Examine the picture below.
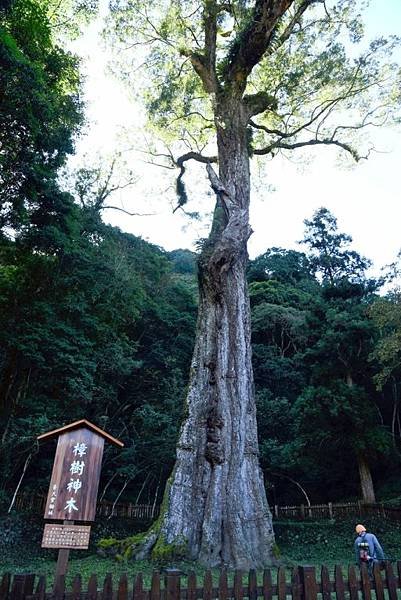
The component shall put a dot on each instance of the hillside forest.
(99, 324)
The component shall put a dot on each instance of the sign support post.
(62, 558)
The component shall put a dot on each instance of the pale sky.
(365, 200)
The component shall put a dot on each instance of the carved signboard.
(73, 487)
(66, 536)
(75, 477)
(76, 471)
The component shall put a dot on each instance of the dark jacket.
(375, 550)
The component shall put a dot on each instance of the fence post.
(296, 588)
(92, 587)
(377, 578)
(138, 593)
(276, 511)
(302, 510)
(155, 587)
(267, 588)
(172, 583)
(5, 586)
(237, 590)
(207, 586)
(107, 593)
(325, 582)
(77, 587)
(365, 583)
(308, 582)
(281, 584)
(252, 585)
(330, 510)
(339, 581)
(22, 586)
(391, 582)
(191, 586)
(352, 583)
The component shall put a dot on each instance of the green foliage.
(329, 254)
(386, 314)
(318, 332)
(40, 112)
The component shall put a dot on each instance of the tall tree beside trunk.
(365, 474)
(215, 66)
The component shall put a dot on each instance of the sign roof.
(77, 425)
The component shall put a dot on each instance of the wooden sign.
(66, 536)
(76, 471)
(73, 487)
(75, 477)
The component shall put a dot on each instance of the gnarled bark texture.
(215, 505)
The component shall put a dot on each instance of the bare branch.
(190, 114)
(127, 212)
(326, 142)
(282, 134)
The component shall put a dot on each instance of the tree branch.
(131, 214)
(204, 63)
(252, 43)
(201, 68)
(180, 162)
(194, 156)
(291, 25)
(327, 142)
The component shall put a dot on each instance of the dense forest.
(96, 323)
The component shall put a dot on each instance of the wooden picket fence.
(299, 583)
(336, 511)
(148, 512)
(104, 508)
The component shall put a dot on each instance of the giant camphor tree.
(237, 79)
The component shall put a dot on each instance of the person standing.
(367, 548)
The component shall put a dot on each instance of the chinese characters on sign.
(76, 468)
(66, 536)
(75, 478)
(52, 500)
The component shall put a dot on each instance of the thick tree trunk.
(365, 475)
(215, 507)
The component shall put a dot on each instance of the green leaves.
(39, 112)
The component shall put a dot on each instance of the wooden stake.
(62, 559)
